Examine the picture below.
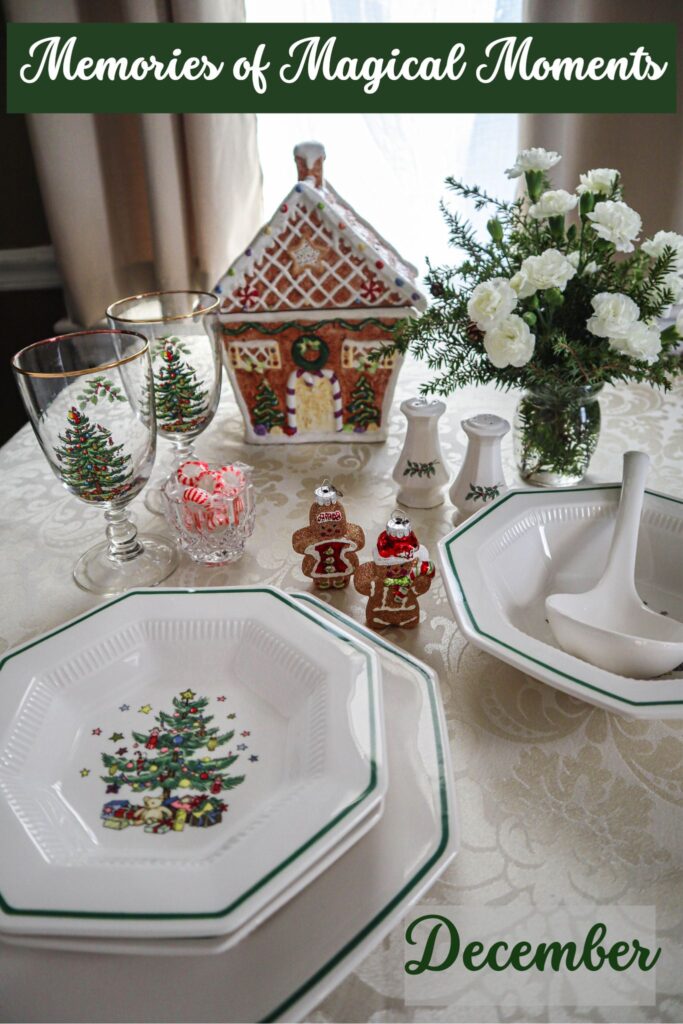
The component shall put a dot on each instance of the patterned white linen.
(558, 799)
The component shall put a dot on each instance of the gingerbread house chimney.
(309, 157)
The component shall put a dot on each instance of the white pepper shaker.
(421, 471)
(481, 477)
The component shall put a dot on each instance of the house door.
(314, 404)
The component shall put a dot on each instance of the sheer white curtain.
(392, 167)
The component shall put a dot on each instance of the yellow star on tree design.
(85, 772)
(146, 708)
(188, 694)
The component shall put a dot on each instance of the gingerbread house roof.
(316, 252)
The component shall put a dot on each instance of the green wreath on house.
(310, 352)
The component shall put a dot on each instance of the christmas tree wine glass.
(184, 335)
(88, 396)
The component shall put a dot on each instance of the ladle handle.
(619, 574)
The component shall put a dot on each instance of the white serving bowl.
(500, 566)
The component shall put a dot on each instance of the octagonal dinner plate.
(174, 760)
(500, 566)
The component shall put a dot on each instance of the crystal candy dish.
(500, 566)
(211, 526)
(172, 761)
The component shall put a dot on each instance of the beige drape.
(646, 148)
(139, 202)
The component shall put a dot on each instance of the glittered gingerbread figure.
(399, 572)
(329, 543)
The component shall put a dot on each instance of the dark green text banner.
(341, 68)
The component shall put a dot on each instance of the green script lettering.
(424, 963)
(642, 956)
(596, 933)
(471, 950)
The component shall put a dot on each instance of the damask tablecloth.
(558, 800)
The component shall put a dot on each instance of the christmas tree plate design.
(174, 760)
(282, 970)
(501, 564)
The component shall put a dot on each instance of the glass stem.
(184, 450)
(122, 535)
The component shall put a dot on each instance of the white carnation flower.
(674, 282)
(520, 283)
(600, 180)
(573, 258)
(616, 222)
(509, 342)
(551, 269)
(553, 203)
(491, 301)
(641, 342)
(614, 314)
(534, 159)
(654, 247)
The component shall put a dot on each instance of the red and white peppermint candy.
(189, 472)
(210, 481)
(232, 478)
(196, 496)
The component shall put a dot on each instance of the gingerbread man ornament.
(399, 572)
(329, 543)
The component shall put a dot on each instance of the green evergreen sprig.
(567, 357)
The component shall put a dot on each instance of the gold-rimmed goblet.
(184, 335)
(89, 399)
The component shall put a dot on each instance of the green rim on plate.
(516, 650)
(371, 785)
(442, 843)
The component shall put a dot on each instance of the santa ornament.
(399, 572)
(329, 543)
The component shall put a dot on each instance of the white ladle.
(609, 626)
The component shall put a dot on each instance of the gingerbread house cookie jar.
(316, 292)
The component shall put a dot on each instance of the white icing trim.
(334, 210)
(310, 151)
(422, 555)
(352, 313)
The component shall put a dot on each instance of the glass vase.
(555, 434)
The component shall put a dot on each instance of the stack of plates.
(238, 772)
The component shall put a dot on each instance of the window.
(354, 355)
(391, 167)
(254, 355)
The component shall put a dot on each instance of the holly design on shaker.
(171, 758)
(180, 400)
(484, 494)
(91, 464)
(421, 469)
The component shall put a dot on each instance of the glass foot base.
(97, 573)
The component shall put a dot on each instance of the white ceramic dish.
(500, 566)
(283, 969)
(184, 947)
(304, 711)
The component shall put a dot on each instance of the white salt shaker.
(421, 471)
(481, 478)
